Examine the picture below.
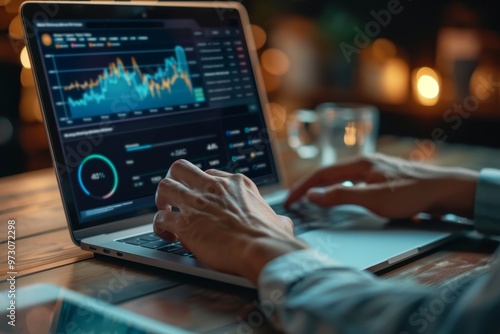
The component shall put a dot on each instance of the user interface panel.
(131, 95)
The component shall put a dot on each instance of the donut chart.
(97, 176)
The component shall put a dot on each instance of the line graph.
(124, 85)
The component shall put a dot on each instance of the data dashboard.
(130, 97)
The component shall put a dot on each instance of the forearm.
(312, 295)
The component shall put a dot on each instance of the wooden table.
(45, 253)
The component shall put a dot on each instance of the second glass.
(334, 131)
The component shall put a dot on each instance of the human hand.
(393, 187)
(222, 220)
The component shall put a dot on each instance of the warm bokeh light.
(259, 36)
(27, 79)
(385, 77)
(25, 59)
(271, 82)
(483, 83)
(383, 49)
(395, 81)
(350, 134)
(426, 86)
(12, 6)
(16, 28)
(275, 62)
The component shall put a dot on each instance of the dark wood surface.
(45, 253)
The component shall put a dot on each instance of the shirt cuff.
(292, 266)
(280, 276)
(487, 204)
(282, 273)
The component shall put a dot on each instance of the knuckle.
(200, 202)
(238, 177)
(243, 179)
(289, 223)
(163, 184)
(248, 182)
(177, 164)
(216, 186)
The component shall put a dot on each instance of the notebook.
(128, 88)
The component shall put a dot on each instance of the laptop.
(128, 88)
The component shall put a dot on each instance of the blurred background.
(425, 64)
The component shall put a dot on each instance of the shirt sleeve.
(306, 292)
(487, 203)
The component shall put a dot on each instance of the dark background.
(326, 24)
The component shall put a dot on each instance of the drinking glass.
(334, 131)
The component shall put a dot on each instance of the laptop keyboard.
(152, 241)
(307, 216)
(304, 216)
(300, 215)
(301, 212)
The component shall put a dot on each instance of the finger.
(161, 229)
(164, 206)
(172, 193)
(170, 223)
(216, 172)
(186, 173)
(287, 224)
(185, 247)
(396, 201)
(353, 170)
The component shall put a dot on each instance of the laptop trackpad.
(365, 248)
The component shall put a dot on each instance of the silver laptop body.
(126, 89)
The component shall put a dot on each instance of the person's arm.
(391, 187)
(397, 188)
(318, 295)
(224, 221)
(304, 292)
(487, 202)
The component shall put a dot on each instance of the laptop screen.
(130, 89)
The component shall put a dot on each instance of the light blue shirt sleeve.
(307, 292)
(487, 204)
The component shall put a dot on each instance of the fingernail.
(158, 224)
(316, 192)
(159, 217)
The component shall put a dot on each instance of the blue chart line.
(137, 147)
(118, 90)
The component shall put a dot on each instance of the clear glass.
(334, 131)
(303, 133)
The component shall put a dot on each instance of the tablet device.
(44, 308)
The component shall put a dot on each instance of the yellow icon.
(46, 40)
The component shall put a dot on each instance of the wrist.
(459, 191)
(257, 252)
